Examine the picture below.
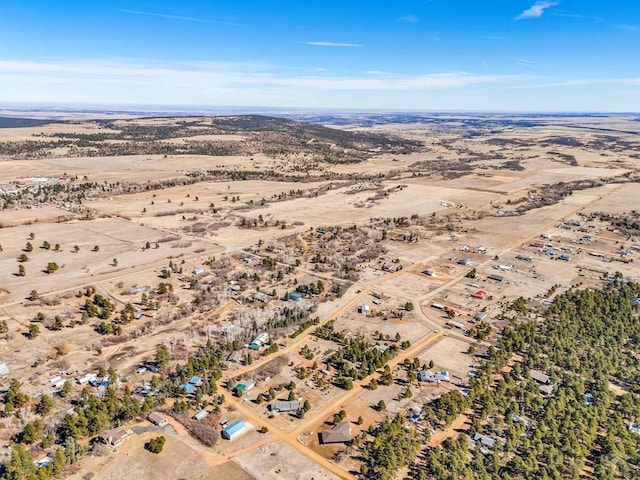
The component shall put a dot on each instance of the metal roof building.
(245, 385)
(201, 414)
(284, 406)
(295, 296)
(235, 429)
(484, 440)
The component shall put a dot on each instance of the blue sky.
(517, 55)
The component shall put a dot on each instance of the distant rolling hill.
(16, 122)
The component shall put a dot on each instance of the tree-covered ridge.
(586, 341)
(261, 134)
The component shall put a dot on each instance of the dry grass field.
(344, 216)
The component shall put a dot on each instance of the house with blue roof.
(187, 388)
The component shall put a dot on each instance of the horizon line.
(70, 107)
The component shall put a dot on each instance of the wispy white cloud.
(177, 17)
(188, 81)
(526, 63)
(536, 10)
(576, 15)
(579, 82)
(127, 81)
(407, 19)
(334, 44)
(630, 81)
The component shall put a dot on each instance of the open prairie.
(359, 251)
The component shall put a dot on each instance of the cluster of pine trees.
(586, 341)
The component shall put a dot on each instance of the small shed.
(235, 429)
(4, 370)
(480, 316)
(495, 278)
(43, 462)
(195, 380)
(364, 308)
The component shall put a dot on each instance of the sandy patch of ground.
(450, 354)
(278, 461)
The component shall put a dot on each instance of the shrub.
(155, 445)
